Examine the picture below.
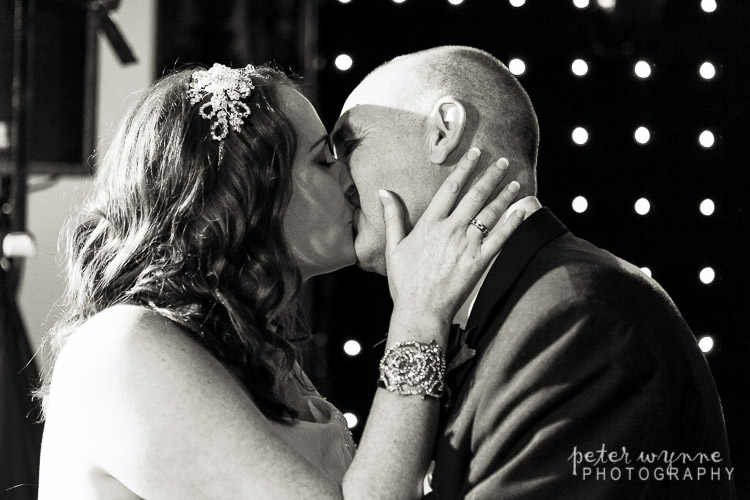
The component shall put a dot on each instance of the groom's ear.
(445, 128)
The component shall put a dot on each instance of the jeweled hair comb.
(227, 87)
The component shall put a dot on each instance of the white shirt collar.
(529, 204)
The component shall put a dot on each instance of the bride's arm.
(159, 414)
(430, 274)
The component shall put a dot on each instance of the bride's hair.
(199, 241)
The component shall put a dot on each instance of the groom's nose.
(347, 183)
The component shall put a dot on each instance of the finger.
(493, 212)
(446, 196)
(393, 219)
(477, 196)
(499, 236)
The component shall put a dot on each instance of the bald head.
(407, 124)
(500, 118)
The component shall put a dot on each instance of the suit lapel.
(539, 229)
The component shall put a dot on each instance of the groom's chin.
(369, 257)
(372, 268)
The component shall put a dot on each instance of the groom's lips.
(355, 219)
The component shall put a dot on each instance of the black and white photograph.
(374, 249)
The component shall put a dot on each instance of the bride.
(176, 370)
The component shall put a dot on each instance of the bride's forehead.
(299, 110)
(293, 102)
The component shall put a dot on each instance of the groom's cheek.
(369, 246)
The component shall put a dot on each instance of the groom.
(573, 376)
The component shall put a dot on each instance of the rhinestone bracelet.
(413, 369)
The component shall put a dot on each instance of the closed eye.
(345, 139)
(348, 147)
(327, 156)
(325, 160)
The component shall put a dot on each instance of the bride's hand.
(432, 270)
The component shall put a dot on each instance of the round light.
(580, 204)
(707, 70)
(607, 4)
(4, 135)
(455, 2)
(517, 67)
(646, 271)
(708, 5)
(642, 206)
(399, 1)
(706, 343)
(642, 69)
(352, 347)
(351, 420)
(344, 1)
(581, 4)
(707, 275)
(580, 136)
(517, 3)
(579, 67)
(642, 135)
(707, 207)
(343, 62)
(706, 139)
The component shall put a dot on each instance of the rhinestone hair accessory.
(225, 109)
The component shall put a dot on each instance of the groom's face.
(384, 148)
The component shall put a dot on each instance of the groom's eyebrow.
(345, 135)
(340, 134)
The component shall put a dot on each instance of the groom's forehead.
(383, 87)
(357, 119)
(366, 121)
(345, 124)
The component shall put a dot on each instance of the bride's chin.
(331, 265)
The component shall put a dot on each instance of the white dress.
(325, 442)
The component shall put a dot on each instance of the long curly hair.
(169, 227)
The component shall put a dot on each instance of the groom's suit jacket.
(577, 350)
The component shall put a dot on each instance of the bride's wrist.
(418, 326)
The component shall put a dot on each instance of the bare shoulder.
(122, 326)
(159, 413)
(125, 337)
(128, 354)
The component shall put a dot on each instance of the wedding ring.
(480, 226)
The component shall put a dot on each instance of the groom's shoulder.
(570, 268)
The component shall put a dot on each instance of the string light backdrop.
(644, 147)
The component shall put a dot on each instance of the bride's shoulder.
(127, 344)
(125, 318)
(120, 327)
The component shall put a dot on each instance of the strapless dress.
(326, 442)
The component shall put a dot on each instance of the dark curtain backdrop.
(673, 172)
(20, 435)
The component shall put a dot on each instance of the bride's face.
(318, 220)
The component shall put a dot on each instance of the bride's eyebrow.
(322, 139)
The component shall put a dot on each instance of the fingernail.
(502, 163)
(383, 194)
(514, 187)
(473, 154)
